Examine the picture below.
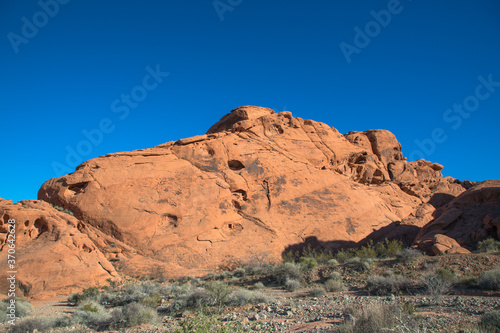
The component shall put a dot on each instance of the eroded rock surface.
(52, 256)
(470, 217)
(256, 183)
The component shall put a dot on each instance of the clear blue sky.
(69, 69)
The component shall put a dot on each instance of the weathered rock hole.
(27, 223)
(211, 152)
(78, 187)
(276, 128)
(236, 205)
(242, 193)
(235, 165)
(41, 225)
(173, 219)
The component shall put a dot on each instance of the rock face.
(51, 254)
(256, 183)
(471, 217)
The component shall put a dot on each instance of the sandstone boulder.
(52, 255)
(470, 217)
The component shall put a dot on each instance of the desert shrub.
(287, 271)
(203, 323)
(93, 315)
(389, 248)
(490, 321)
(239, 272)
(198, 297)
(332, 262)
(30, 324)
(334, 285)
(490, 280)
(219, 290)
(258, 285)
(378, 318)
(243, 296)
(292, 285)
(373, 318)
(488, 245)
(343, 255)
(133, 314)
(367, 251)
(381, 285)
(308, 264)
(22, 309)
(438, 283)
(408, 254)
(335, 276)
(316, 292)
(360, 264)
(88, 293)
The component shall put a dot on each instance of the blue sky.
(428, 71)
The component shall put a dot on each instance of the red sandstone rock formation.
(470, 217)
(257, 182)
(52, 256)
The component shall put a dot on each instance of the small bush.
(438, 283)
(490, 280)
(488, 245)
(219, 290)
(334, 285)
(316, 292)
(29, 324)
(408, 254)
(308, 264)
(243, 296)
(239, 272)
(490, 321)
(361, 264)
(134, 314)
(335, 276)
(287, 271)
(88, 293)
(258, 285)
(380, 285)
(93, 315)
(292, 285)
(23, 309)
(332, 262)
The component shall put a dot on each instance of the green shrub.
(490, 321)
(219, 290)
(381, 285)
(133, 314)
(316, 292)
(308, 264)
(88, 293)
(93, 315)
(332, 262)
(243, 296)
(335, 276)
(334, 285)
(438, 283)
(408, 254)
(490, 280)
(287, 271)
(22, 309)
(488, 245)
(292, 285)
(29, 324)
(258, 285)
(361, 264)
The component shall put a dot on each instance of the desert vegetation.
(378, 287)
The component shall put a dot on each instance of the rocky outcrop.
(256, 183)
(51, 254)
(470, 217)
